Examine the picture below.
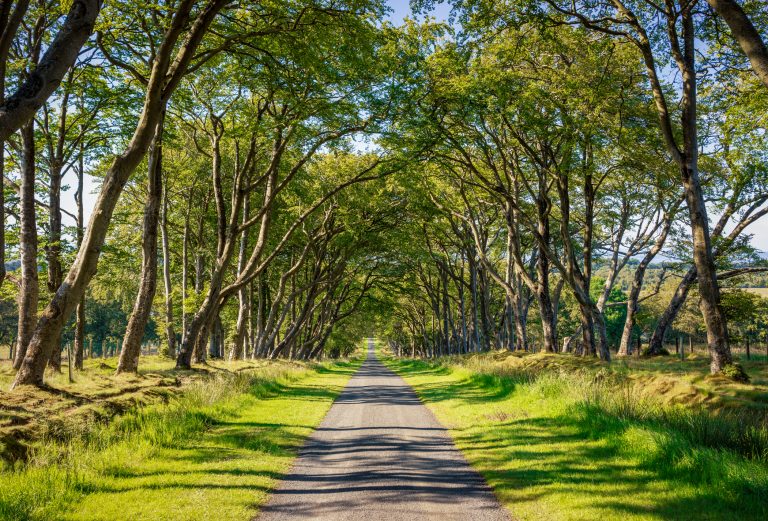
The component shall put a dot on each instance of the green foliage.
(747, 313)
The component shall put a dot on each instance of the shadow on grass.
(577, 460)
(238, 452)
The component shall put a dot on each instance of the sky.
(400, 10)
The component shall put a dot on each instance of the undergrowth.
(602, 393)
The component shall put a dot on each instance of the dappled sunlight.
(549, 458)
(227, 445)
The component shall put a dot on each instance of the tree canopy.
(277, 179)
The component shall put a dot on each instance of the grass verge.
(96, 395)
(212, 452)
(580, 444)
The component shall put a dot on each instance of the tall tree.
(166, 73)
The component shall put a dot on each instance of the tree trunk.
(549, 331)
(198, 355)
(169, 331)
(249, 330)
(477, 339)
(242, 311)
(745, 34)
(185, 266)
(625, 345)
(521, 329)
(53, 250)
(547, 323)
(210, 306)
(656, 344)
(80, 334)
(598, 319)
(587, 330)
(703, 258)
(165, 76)
(9, 25)
(142, 306)
(198, 327)
(80, 313)
(29, 289)
(216, 346)
(20, 108)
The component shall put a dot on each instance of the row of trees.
(291, 172)
(562, 142)
(241, 169)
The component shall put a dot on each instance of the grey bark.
(80, 312)
(19, 108)
(29, 289)
(241, 327)
(169, 330)
(745, 33)
(142, 306)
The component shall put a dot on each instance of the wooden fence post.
(69, 362)
(748, 357)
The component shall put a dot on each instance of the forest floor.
(563, 438)
(214, 451)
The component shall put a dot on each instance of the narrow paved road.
(380, 454)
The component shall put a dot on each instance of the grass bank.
(213, 451)
(581, 443)
(95, 395)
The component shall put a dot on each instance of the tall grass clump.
(727, 449)
(64, 467)
(741, 431)
(615, 399)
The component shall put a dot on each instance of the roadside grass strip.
(213, 453)
(566, 446)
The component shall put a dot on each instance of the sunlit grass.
(212, 453)
(98, 375)
(577, 444)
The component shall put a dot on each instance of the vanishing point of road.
(380, 454)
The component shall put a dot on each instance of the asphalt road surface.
(380, 454)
